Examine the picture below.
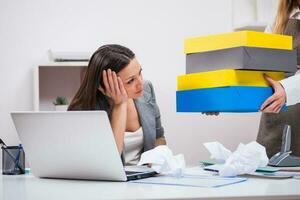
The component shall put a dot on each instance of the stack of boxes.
(224, 73)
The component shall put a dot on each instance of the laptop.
(72, 145)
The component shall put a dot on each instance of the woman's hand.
(274, 103)
(114, 87)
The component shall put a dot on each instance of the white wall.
(154, 29)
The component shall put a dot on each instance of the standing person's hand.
(114, 87)
(274, 103)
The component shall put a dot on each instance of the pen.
(18, 157)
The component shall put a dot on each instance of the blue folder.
(223, 99)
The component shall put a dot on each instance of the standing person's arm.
(115, 90)
(291, 86)
(285, 91)
(274, 103)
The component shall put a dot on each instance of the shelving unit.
(56, 79)
(252, 14)
(254, 26)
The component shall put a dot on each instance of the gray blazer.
(149, 116)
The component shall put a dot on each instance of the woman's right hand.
(114, 87)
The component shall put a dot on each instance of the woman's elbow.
(160, 141)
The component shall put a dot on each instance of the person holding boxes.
(287, 91)
(233, 72)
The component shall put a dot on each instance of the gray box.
(249, 58)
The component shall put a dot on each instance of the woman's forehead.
(132, 69)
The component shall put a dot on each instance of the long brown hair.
(89, 97)
(285, 8)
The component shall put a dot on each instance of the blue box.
(223, 99)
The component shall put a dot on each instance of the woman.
(113, 82)
(287, 22)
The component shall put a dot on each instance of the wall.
(154, 30)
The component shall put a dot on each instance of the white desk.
(21, 187)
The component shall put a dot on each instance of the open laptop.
(72, 145)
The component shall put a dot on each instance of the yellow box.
(225, 77)
(236, 39)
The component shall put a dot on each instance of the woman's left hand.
(274, 103)
(114, 87)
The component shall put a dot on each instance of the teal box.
(223, 99)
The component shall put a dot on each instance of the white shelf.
(64, 64)
(252, 14)
(56, 79)
(254, 26)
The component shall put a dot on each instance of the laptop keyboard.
(134, 175)
(131, 172)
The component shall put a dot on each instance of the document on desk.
(192, 181)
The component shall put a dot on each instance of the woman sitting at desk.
(113, 82)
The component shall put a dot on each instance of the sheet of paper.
(216, 168)
(198, 171)
(192, 181)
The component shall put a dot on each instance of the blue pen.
(18, 158)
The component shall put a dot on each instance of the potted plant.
(61, 103)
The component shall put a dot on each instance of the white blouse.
(292, 84)
(133, 146)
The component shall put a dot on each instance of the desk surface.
(28, 187)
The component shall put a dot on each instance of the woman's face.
(132, 79)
